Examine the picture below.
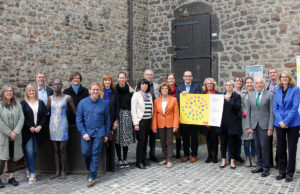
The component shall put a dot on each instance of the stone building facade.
(91, 36)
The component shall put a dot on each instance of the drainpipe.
(130, 31)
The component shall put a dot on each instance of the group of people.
(115, 116)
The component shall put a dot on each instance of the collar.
(188, 84)
(260, 91)
(40, 89)
(90, 100)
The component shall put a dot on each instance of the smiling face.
(76, 80)
(148, 75)
(273, 75)
(122, 79)
(41, 79)
(187, 77)
(171, 80)
(8, 94)
(209, 85)
(238, 82)
(249, 84)
(144, 87)
(31, 93)
(107, 83)
(259, 84)
(229, 86)
(94, 92)
(284, 78)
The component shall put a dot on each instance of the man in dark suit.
(259, 121)
(189, 132)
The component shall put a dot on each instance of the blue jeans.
(31, 148)
(247, 147)
(91, 151)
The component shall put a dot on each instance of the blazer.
(195, 89)
(82, 93)
(263, 115)
(113, 107)
(171, 117)
(5, 132)
(287, 111)
(138, 107)
(29, 122)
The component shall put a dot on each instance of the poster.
(254, 71)
(298, 84)
(201, 109)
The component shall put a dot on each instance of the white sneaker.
(125, 163)
(32, 179)
(121, 164)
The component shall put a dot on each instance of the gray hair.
(259, 78)
(3, 100)
(230, 81)
(40, 72)
(148, 70)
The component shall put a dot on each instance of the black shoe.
(222, 166)
(233, 167)
(13, 181)
(280, 177)
(141, 166)
(288, 179)
(215, 160)
(276, 166)
(146, 163)
(208, 160)
(1, 184)
(178, 155)
(265, 174)
(257, 170)
(239, 159)
(153, 159)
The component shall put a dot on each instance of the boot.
(178, 147)
(253, 161)
(248, 161)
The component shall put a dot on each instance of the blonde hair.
(27, 90)
(213, 82)
(102, 87)
(164, 84)
(292, 81)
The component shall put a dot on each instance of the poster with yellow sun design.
(201, 109)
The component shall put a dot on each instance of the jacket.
(138, 107)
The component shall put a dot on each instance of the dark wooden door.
(191, 41)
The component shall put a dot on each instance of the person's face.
(164, 90)
(8, 93)
(187, 77)
(57, 85)
(284, 78)
(273, 75)
(148, 76)
(229, 87)
(249, 84)
(76, 80)
(238, 83)
(171, 80)
(144, 87)
(107, 83)
(31, 93)
(209, 85)
(259, 84)
(41, 79)
(122, 79)
(94, 92)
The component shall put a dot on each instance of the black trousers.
(11, 165)
(286, 165)
(110, 153)
(190, 139)
(212, 145)
(225, 139)
(142, 137)
(262, 147)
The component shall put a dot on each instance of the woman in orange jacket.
(166, 119)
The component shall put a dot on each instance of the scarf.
(107, 93)
(75, 88)
(146, 96)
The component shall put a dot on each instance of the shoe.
(146, 164)
(90, 182)
(169, 164)
(276, 166)
(32, 179)
(13, 181)
(240, 159)
(253, 161)
(1, 184)
(257, 170)
(288, 179)
(248, 162)
(178, 155)
(265, 174)
(121, 164)
(280, 177)
(185, 159)
(208, 160)
(141, 166)
(223, 166)
(232, 167)
(193, 159)
(163, 162)
(125, 164)
(153, 159)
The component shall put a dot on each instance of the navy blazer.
(195, 89)
(287, 111)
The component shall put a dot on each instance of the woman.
(166, 119)
(107, 92)
(231, 125)
(211, 133)
(171, 80)
(11, 123)
(59, 126)
(238, 84)
(247, 137)
(35, 114)
(124, 133)
(141, 111)
(287, 124)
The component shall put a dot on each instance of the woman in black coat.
(35, 116)
(231, 125)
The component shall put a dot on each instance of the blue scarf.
(75, 88)
(107, 93)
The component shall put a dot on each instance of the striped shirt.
(148, 110)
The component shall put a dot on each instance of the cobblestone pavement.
(185, 178)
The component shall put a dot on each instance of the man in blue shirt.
(93, 122)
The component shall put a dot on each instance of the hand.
(13, 136)
(38, 129)
(86, 137)
(250, 131)
(184, 92)
(105, 139)
(270, 132)
(115, 125)
(227, 97)
(174, 130)
(32, 129)
(154, 130)
(282, 125)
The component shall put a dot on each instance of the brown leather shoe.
(193, 159)
(185, 159)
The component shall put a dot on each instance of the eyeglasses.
(209, 83)
(229, 85)
(284, 77)
(188, 76)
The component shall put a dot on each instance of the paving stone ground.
(183, 178)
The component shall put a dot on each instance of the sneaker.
(13, 181)
(121, 164)
(1, 184)
(32, 178)
(125, 164)
(90, 182)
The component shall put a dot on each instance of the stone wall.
(251, 32)
(62, 36)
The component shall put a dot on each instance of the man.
(93, 122)
(259, 121)
(148, 74)
(189, 132)
(43, 91)
(273, 76)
